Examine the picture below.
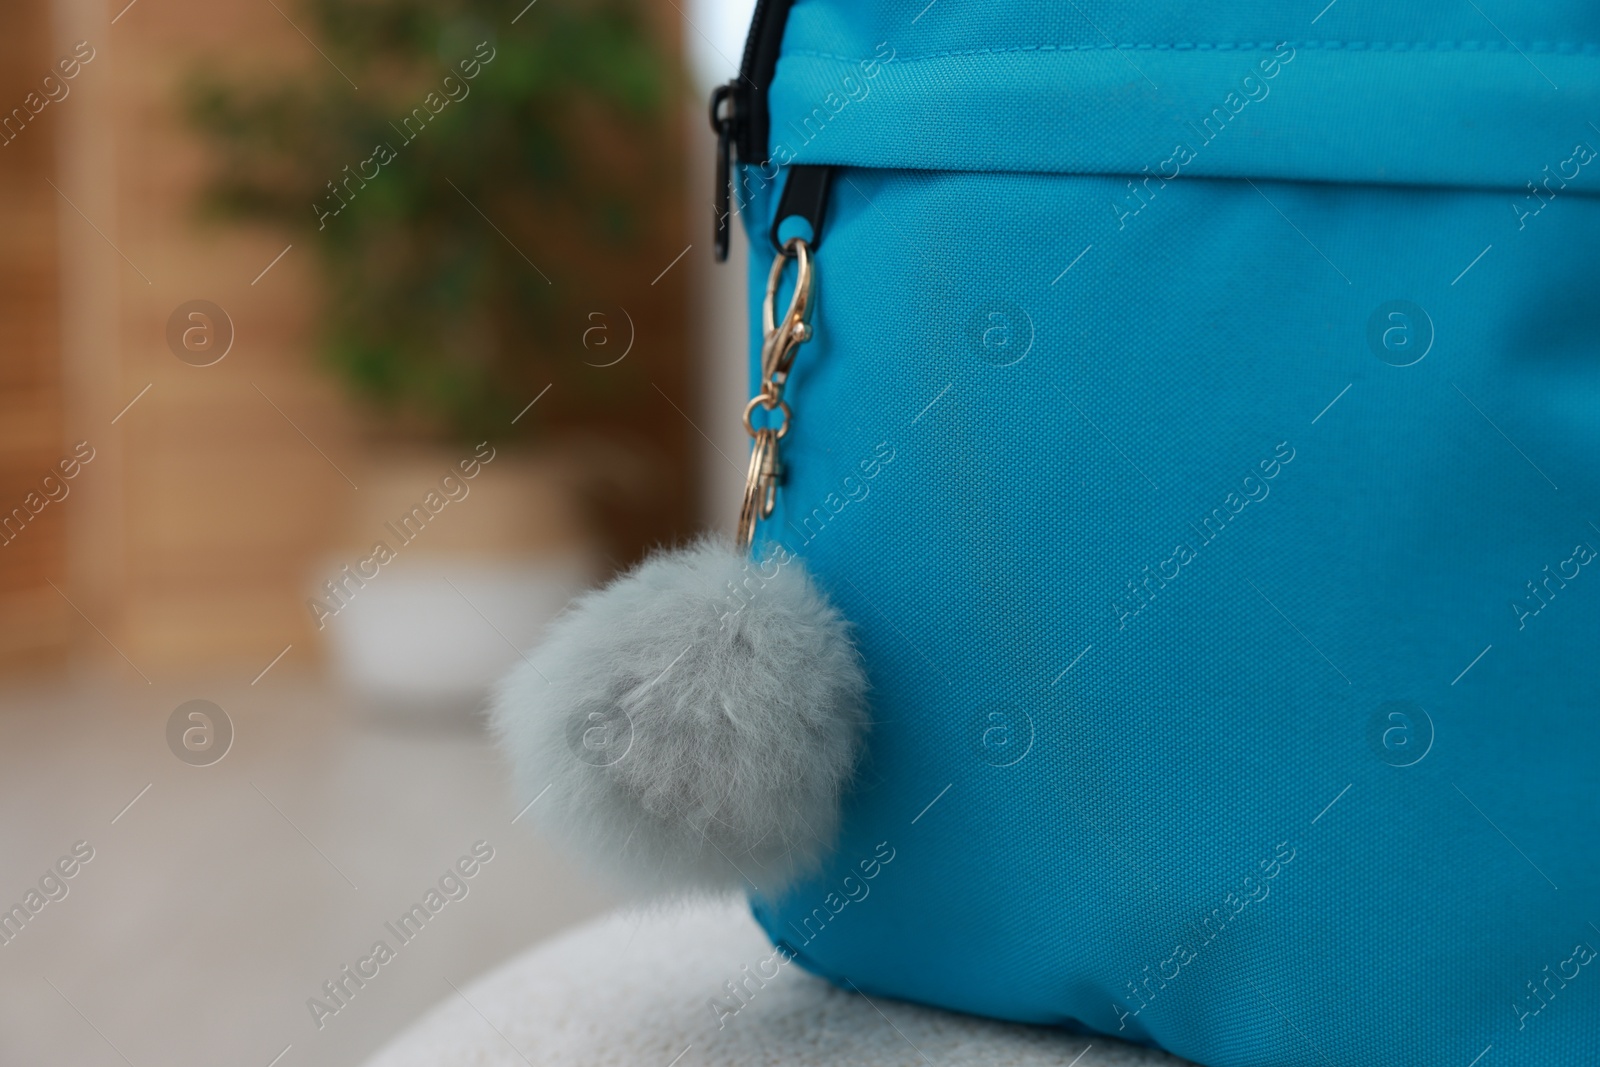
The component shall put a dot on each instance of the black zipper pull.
(725, 123)
(741, 125)
(802, 206)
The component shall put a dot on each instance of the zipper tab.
(726, 123)
(802, 206)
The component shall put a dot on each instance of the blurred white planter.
(438, 630)
(446, 616)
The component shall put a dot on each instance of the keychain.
(778, 349)
(684, 747)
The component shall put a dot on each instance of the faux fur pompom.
(695, 722)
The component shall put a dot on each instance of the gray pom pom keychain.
(694, 723)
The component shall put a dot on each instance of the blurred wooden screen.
(34, 618)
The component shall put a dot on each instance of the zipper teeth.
(757, 24)
(767, 23)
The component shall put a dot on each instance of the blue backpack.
(1200, 426)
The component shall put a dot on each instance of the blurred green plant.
(548, 144)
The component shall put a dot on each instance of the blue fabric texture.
(1201, 431)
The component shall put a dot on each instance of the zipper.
(739, 115)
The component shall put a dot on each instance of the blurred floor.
(225, 896)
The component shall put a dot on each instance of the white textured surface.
(633, 989)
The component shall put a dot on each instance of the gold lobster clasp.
(783, 340)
